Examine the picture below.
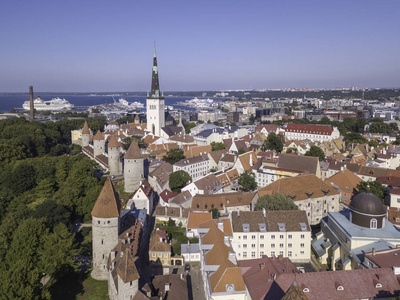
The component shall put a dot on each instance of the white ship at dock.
(53, 104)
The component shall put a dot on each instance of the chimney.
(167, 287)
(32, 110)
(238, 212)
(264, 212)
(373, 251)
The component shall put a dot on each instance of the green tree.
(217, 146)
(275, 202)
(247, 182)
(373, 143)
(173, 156)
(354, 137)
(126, 143)
(374, 187)
(215, 213)
(273, 142)
(290, 150)
(178, 179)
(317, 152)
(189, 126)
(380, 127)
(252, 119)
(241, 150)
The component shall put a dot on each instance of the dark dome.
(367, 203)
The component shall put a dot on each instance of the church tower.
(105, 224)
(85, 135)
(114, 154)
(133, 168)
(155, 103)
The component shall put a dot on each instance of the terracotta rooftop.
(107, 204)
(345, 181)
(165, 195)
(351, 284)
(220, 201)
(159, 246)
(306, 164)
(227, 273)
(113, 143)
(385, 258)
(126, 268)
(291, 218)
(133, 151)
(295, 292)
(99, 136)
(177, 287)
(299, 188)
(85, 129)
(197, 218)
(259, 273)
(309, 128)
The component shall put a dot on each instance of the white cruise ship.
(53, 104)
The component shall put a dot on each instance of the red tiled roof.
(308, 128)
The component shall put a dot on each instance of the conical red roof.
(99, 136)
(85, 129)
(113, 142)
(126, 268)
(107, 204)
(133, 151)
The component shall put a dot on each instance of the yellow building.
(160, 249)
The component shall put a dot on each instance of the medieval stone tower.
(133, 168)
(85, 135)
(155, 103)
(114, 153)
(99, 144)
(105, 225)
(128, 277)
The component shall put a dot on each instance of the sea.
(9, 101)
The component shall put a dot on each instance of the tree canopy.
(247, 182)
(275, 202)
(178, 179)
(173, 156)
(273, 142)
(217, 146)
(317, 152)
(374, 187)
(43, 191)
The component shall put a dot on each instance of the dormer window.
(306, 290)
(340, 288)
(230, 288)
(378, 285)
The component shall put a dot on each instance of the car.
(187, 268)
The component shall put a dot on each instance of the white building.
(315, 133)
(196, 167)
(271, 233)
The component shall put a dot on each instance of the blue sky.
(74, 46)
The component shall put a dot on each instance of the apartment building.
(309, 193)
(196, 167)
(271, 233)
(315, 133)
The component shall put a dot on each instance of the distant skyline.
(101, 46)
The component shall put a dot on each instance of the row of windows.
(253, 254)
(281, 245)
(281, 236)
